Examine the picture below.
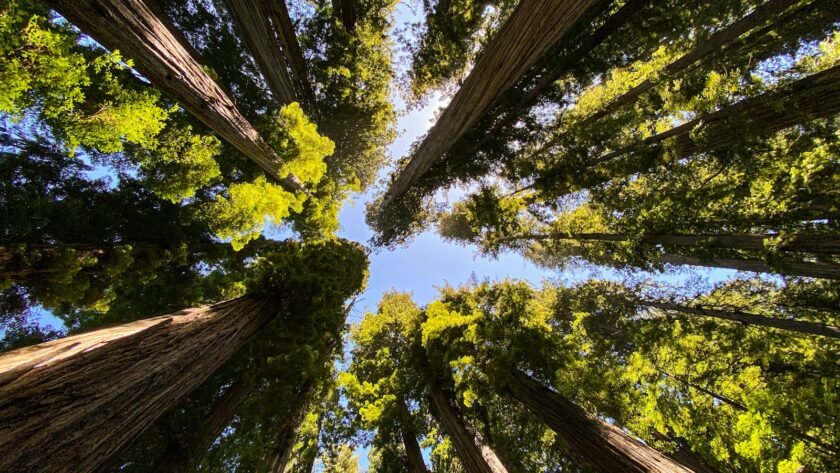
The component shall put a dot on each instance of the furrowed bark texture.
(589, 439)
(414, 455)
(279, 14)
(709, 46)
(251, 19)
(685, 457)
(161, 54)
(288, 433)
(72, 404)
(801, 326)
(181, 455)
(475, 456)
(533, 27)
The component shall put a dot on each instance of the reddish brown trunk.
(72, 404)
(254, 26)
(801, 326)
(182, 456)
(414, 455)
(291, 48)
(475, 456)
(685, 457)
(533, 28)
(288, 432)
(161, 54)
(589, 439)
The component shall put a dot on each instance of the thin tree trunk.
(589, 439)
(252, 21)
(685, 457)
(792, 325)
(816, 96)
(291, 48)
(783, 266)
(72, 404)
(475, 456)
(161, 54)
(414, 456)
(288, 432)
(345, 10)
(715, 43)
(181, 456)
(530, 31)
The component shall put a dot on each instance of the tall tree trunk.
(715, 43)
(801, 326)
(252, 21)
(291, 48)
(72, 404)
(685, 457)
(414, 456)
(782, 266)
(288, 432)
(181, 455)
(345, 10)
(590, 440)
(475, 456)
(162, 55)
(532, 28)
(813, 97)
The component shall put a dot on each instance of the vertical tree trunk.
(414, 455)
(291, 48)
(589, 439)
(532, 28)
(287, 434)
(475, 456)
(251, 19)
(161, 54)
(345, 10)
(801, 326)
(72, 404)
(181, 456)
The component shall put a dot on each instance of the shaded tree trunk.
(414, 455)
(181, 455)
(792, 325)
(532, 28)
(782, 266)
(345, 10)
(162, 55)
(291, 48)
(252, 21)
(589, 439)
(685, 457)
(72, 404)
(288, 432)
(816, 96)
(714, 44)
(475, 456)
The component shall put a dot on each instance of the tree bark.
(475, 456)
(792, 325)
(589, 439)
(414, 455)
(162, 55)
(784, 266)
(279, 14)
(252, 21)
(715, 43)
(288, 432)
(181, 456)
(345, 10)
(533, 28)
(685, 457)
(72, 404)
